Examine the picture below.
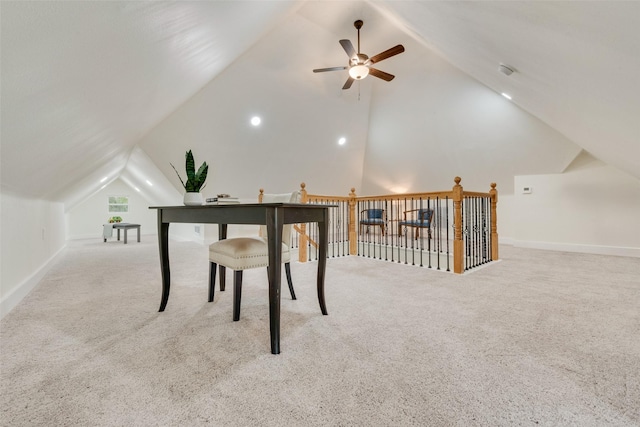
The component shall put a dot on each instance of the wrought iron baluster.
(438, 219)
(485, 226)
(479, 231)
(467, 243)
(447, 228)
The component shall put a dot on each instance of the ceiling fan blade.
(381, 74)
(322, 70)
(348, 47)
(348, 83)
(387, 54)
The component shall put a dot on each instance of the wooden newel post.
(458, 244)
(353, 237)
(493, 194)
(304, 239)
(260, 197)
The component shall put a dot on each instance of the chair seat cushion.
(415, 223)
(241, 253)
(372, 221)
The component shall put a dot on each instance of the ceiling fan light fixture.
(359, 72)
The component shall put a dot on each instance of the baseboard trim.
(10, 301)
(575, 247)
(100, 237)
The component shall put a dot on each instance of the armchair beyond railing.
(450, 230)
(376, 217)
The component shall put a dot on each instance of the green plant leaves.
(195, 180)
(190, 166)
(201, 175)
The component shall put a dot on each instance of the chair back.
(375, 213)
(424, 215)
(294, 197)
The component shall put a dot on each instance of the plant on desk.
(115, 219)
(195, 180)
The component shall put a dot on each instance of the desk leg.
(118, 234)
(222, 234)
(163, 244)
(125, 235)
(323, 241)
(138, 234)
(274, 220)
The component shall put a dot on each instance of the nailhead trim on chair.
(222, 254)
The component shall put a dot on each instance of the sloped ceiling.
(83, 82)
(578, 63)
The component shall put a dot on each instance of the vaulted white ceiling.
(84, 82)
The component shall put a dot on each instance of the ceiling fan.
(360, 65)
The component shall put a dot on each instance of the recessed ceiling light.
(342, 140)
(506, 95)
(103, 179)
(137, 189)
(149, 182)
(255, 120)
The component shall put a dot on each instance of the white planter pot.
(193, 199)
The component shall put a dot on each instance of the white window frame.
(109, 204)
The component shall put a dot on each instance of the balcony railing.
(452, 230)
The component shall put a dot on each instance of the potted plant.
(195, 180)
(115, 219)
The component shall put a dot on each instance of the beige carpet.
(540, 338)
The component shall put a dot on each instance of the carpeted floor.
(540, 338)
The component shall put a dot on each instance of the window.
(118, 204)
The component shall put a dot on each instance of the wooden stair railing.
(456, 195)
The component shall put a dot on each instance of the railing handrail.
(475, 194)
(423, 195)
(319, 197)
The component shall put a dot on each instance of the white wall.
(31, 235)
(505, 214)
(592, 208)
(85, 220)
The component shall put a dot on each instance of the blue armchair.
(416, 218)
(369, 217)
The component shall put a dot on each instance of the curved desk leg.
(274, 220)
(323, 228)
(163, 244)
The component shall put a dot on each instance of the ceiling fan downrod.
(358, 24)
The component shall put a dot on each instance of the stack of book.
(222, 199)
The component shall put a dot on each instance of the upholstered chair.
(416, 218)
(377, 217)
(243, 253)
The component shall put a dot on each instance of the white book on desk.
(222, 200)
(223, 203)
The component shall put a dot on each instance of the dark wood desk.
(274, 216)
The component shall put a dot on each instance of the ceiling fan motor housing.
(359, 59)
